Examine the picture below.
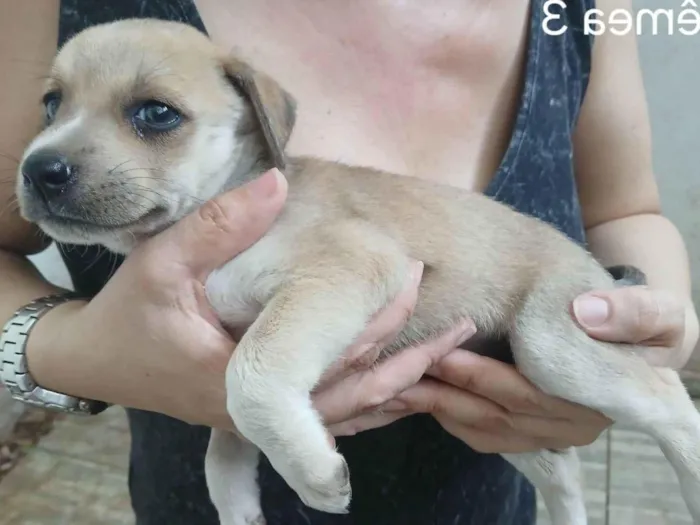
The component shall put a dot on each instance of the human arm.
(621, 205)
(31, 28)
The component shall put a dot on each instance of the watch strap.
(14, 372)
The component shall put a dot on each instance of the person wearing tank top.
(412, 471)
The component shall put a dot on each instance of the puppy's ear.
(273, 108)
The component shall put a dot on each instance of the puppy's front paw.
(322, 484)
(241, 519)
(242, 515)
(327, 489)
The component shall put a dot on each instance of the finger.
(498, 443)
(490, 442)
(387, 323)
(504, 385)
(467, 409)
(368, 390)
(364, 422)
(512, 443)
(559, 433)
(633, 315)
(223, 227)
(442, 399)
(380, 332)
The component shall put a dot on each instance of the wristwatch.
(14, 373)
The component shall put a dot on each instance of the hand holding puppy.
(640, 315)
(494, 409)
(149, 339)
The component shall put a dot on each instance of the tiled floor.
(77, 476)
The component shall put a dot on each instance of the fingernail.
(417, 272)
(468, 330)
(591, 311)
(266, 185)
(363, 351)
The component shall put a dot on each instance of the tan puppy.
(147, 120)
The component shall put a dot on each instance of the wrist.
(56, 359)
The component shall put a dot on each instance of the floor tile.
(78, 476)
(643, 485)
(103, 439)
(51, 489)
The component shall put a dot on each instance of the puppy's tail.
(627, 275)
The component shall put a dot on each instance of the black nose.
(48, 171)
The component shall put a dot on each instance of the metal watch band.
(14, 372)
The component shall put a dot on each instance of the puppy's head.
(145, 120)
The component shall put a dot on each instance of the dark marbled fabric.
(411, 472)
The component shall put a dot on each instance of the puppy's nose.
(48, 172)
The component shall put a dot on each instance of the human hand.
(352, 394)
(653, 318)
(494, 409)
(491, 407)
(484, 402)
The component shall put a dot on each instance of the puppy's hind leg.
(556, 475)
(674, 422)
(565, 362)
(231, 467)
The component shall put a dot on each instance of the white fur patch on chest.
(239, 289)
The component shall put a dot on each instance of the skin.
(170, 353)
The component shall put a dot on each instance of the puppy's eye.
(51, 101)
(156, 116)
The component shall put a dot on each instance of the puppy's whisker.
(138, 190)
(141, 207)
(11, 206)
(149, 199)
(111, 171)
(141, 169)
(101, 251)
(115, 263)
(178, 187)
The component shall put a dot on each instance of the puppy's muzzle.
(48, 174)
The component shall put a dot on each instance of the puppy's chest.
(239, 290)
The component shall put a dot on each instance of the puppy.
(147, 120)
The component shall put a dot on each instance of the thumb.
(631, 315)
(224, 226)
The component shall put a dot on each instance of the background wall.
(673, 85)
